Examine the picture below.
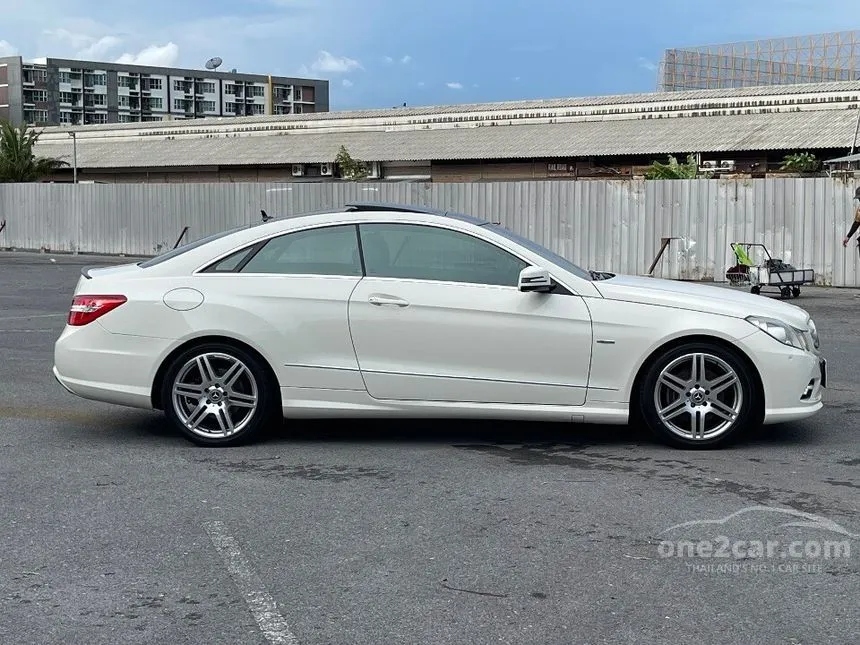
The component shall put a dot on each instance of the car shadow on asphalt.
(148, 427)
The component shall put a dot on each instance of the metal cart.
(773, 272)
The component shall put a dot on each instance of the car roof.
(269, 225)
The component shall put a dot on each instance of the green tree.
(800, 162)
(350, 169)
(18, 162)
(673, 169)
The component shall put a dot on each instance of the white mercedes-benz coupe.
(380, 310)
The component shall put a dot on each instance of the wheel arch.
(757, 383)
(157, 381)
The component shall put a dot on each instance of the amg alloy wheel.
(218, 395)
(698, 396)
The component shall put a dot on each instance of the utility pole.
(74, 157)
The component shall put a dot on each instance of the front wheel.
(700, 395)
(218, 395)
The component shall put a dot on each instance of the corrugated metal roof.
(779, 131)
(430, 110)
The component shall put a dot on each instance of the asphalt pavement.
(116, 530)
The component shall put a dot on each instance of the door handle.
(379, 301)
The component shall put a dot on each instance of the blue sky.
(380, 53)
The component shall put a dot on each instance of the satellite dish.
(214, 63)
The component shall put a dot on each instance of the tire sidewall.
(745, 420)
(262, 416)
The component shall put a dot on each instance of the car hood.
(695, 296)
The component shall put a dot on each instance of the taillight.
(86, 309)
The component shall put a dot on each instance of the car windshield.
(542, 251)
(158, 259)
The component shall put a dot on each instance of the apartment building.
(71, 92)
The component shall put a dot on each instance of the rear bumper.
(94, 364)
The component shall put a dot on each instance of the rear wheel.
(218, 395)
(700, 395)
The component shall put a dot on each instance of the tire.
(785, 292)
(755, 290)
(219, 395)
(684, 411)
(795, 291)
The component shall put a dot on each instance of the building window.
(151, 119)
(156, 103)
(36, 116)
(68, 97)
(124, 101)
(257, 90)
(230, 108)
(256, 108)
(229, 88)
(127, 81)
(95, 79)
(99, 99)
(96, 118)
(297, 95)
(208, 106)
(35, 96)
(155, 84)
(206, 87)
(125, 118)
(65, 117)
(179, 104)
(35, 76)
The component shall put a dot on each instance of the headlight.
(813, 331)
(783, 332)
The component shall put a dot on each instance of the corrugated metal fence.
(608, 225)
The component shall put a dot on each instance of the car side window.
(231, 262)
(418, 252)
(329, 250)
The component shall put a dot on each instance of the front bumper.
(793, 380)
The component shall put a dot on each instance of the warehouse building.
(746, 130)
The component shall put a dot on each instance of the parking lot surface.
(116, 530)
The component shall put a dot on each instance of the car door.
(290, 297)
(439, 317)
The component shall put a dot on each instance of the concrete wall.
(609, 225)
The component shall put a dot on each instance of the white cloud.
(330, 64)
(644, 63)
(388, 60)
(455, 85)
(406, 59)
(421, 83)
(160, 56)
(75, 39)
(7, 48)
(347, 83)
(516, 79)
(100, 48)
(85, 45)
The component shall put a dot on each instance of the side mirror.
(535, 279)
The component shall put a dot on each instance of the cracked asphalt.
(415, 532)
